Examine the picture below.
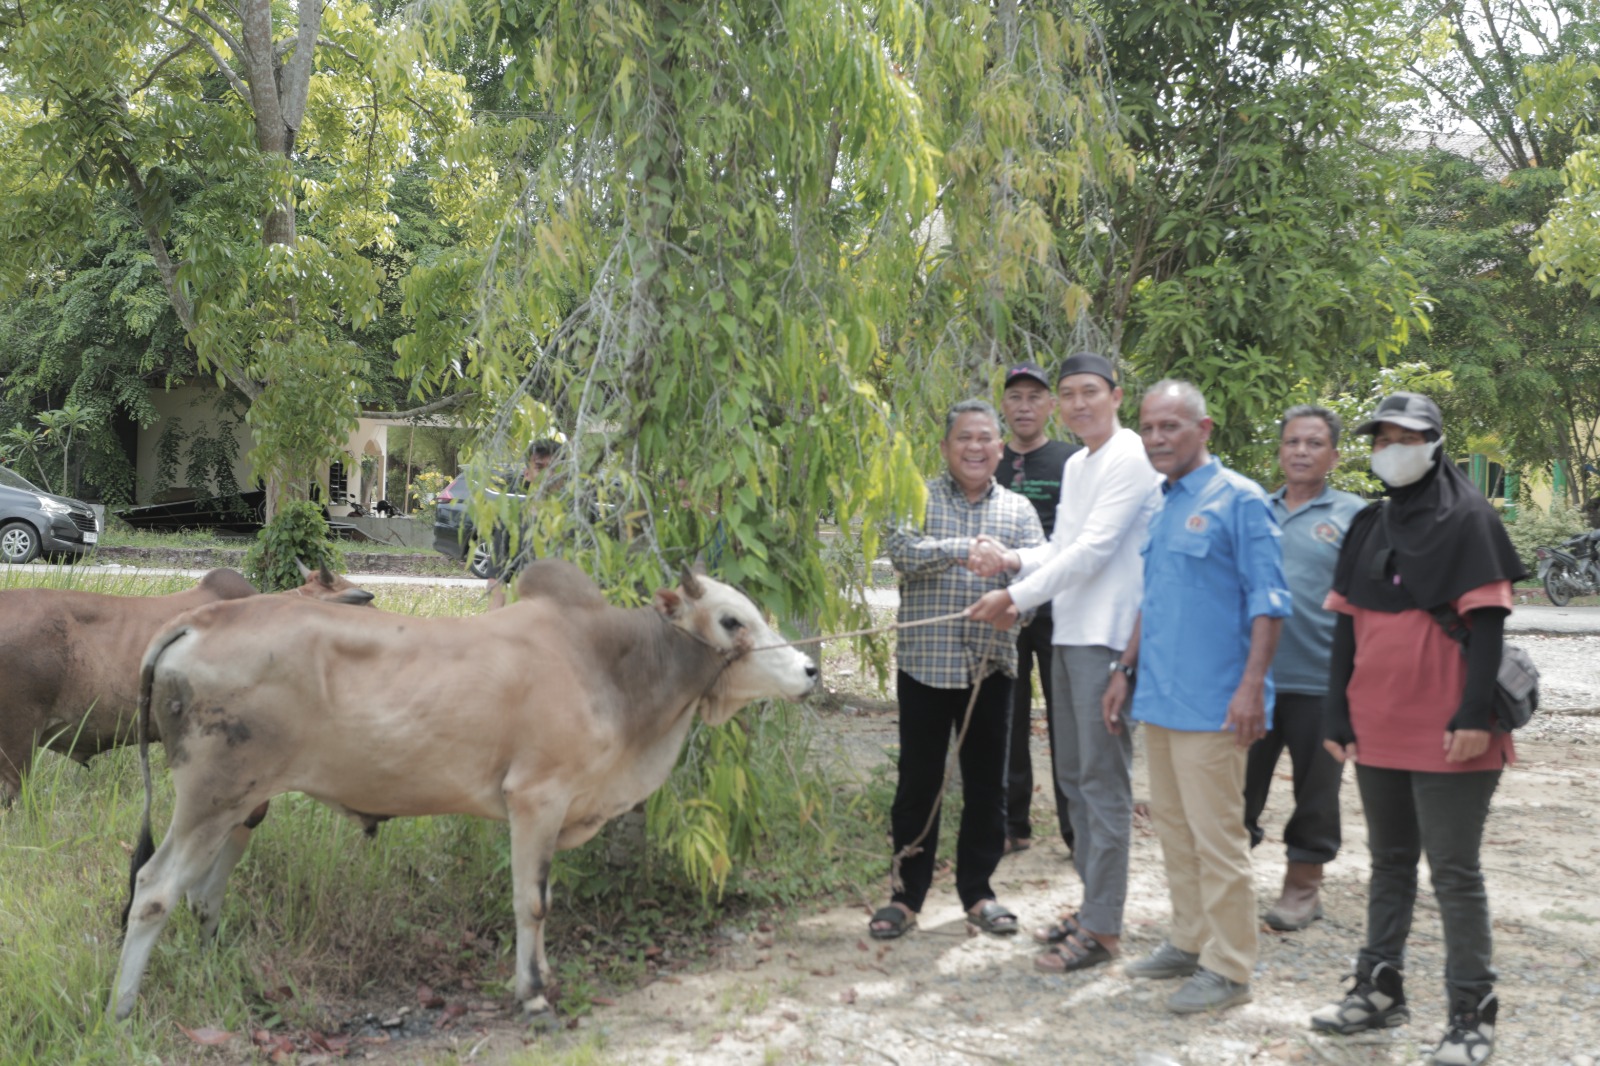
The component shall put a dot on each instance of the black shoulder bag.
(1516, 690)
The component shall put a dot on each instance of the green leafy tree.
(96, 331)
(708, 251)
(59, 427)
(1502, 86)
(296, 536)
(278, 130)
(1254, 247)
(1018, 102)
(1522, 351)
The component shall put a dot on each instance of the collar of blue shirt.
(1323, 497)
(1194, 480)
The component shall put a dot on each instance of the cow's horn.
(305, 571)
(690, 583)
(327, 576)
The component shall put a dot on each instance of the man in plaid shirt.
(939, 665)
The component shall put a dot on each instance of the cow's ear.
(669, 602)
(690, 582)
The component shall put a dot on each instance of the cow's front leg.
(535, 824)
(16, 756)
(183, 858)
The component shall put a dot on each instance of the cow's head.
(761, 664)
(324, 584)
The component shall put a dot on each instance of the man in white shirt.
(1092, 571)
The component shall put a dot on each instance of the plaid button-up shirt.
(933, 582)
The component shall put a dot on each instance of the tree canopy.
(254, 148)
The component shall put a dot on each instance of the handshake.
(988, 558)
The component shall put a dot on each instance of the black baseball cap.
(1089, 363)
(1408, 410)
(1029, 372)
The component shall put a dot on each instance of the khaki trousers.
(1197, 805)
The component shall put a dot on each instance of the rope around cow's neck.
(953, 616)
(915, 847)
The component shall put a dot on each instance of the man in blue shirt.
(1313, 517)
(1214, 602)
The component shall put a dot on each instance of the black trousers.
(1409, 813)
(929, 718)
(1312, 832)
(1033, 644)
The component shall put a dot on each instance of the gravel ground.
(820, 991)
(815, 988)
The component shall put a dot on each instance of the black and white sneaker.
(1376, 1000)
(1469, 1039)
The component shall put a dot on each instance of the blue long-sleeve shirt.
(1213, 564)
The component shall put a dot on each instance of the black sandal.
(1058, 930)
(994, 919)
(896, 923)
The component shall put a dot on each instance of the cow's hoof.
(539, 1015)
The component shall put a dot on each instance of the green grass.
(63, 576)
(118, 535)
(318, 908)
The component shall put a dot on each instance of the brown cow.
(555, 713)
(69, 662)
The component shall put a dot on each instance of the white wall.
(191, 407)
(194, 406)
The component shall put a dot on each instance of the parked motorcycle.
(1572, 569)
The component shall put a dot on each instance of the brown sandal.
(1079, 951)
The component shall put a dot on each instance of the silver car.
(35, 522)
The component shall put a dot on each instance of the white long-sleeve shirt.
(1091, 568)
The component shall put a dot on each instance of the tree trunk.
(278, 91)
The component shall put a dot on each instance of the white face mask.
(1404, 464)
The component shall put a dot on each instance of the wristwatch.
(1127, 671)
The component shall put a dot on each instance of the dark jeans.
(1312, 832)
(929, 717)
(1409, 813)
(1033, 643)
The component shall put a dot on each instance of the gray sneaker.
(1207, 990)
(1164, 962)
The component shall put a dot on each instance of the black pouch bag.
(1516, 690)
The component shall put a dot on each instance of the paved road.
(159, 571)
(1555, 621)
(1528, 618)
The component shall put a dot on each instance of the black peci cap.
(1089, 363)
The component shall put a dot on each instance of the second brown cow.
(69, 661)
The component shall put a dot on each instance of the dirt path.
(817, 989)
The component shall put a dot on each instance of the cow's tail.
(146, 846)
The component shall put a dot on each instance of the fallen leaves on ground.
(206, 1036)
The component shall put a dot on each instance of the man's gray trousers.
(1094, 770)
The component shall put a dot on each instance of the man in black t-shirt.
(1031, 465)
